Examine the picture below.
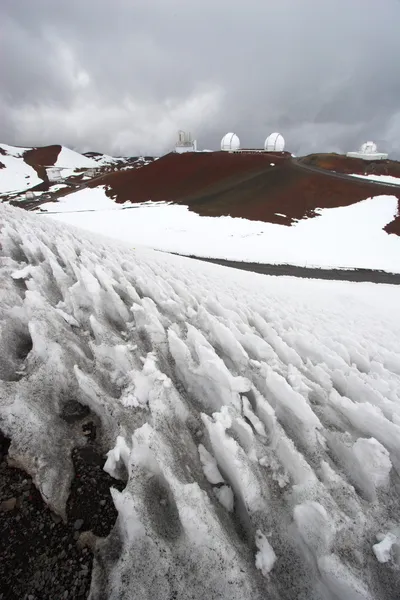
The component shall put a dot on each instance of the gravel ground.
(41, 558)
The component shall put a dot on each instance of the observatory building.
(274, 143)
(53, 174)
(230, 143)
(185, 143)
(368, 151)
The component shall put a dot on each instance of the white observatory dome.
(230, 142)
(369, 148)
(274, 143)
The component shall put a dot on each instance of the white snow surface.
(73, 160)
(256, 420)
(380, 178)
(16, 175)
(87, 199)
(105, 159)
(15, 151)
(346, 237)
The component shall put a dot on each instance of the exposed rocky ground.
(41, 557)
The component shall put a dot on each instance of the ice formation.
(255, 420)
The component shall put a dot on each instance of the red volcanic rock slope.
(175, 177)
(265, 187)
(38, 158)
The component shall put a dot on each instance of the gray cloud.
(122, 77)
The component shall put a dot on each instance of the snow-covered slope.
(70, 159)
(15, 174)
(345, 237)
(255, 420)
(122, 162)
(103, 159)
(24, 168)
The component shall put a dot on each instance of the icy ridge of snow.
(255, 420)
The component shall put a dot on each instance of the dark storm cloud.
(122, 76)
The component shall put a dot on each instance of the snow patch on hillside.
(16, 174)
(15, 151)
(255, 420)
(345, 237)
(105, 159)
(73, 160)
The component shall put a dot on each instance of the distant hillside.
(262, 187)
(24, 170)
(268, 187)
(343, 164)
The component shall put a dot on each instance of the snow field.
(90, 199)
(362, 242)
(255, 420)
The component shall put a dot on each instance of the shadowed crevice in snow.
(251, 424)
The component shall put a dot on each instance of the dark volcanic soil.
(242, 185)
(38, 158)
(41, 558)
(176, 177)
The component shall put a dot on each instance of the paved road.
(299, 164)
(357, 275)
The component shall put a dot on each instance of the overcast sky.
(122, 76)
